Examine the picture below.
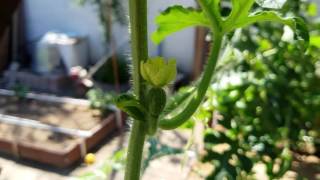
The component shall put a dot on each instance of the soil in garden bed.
(62, 115)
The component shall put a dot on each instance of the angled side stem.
(199, 95)
(213, 13)
(139, 46)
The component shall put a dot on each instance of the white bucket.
(74, 52)
(53, 47)
(47, 57)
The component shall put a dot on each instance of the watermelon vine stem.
(139, 50)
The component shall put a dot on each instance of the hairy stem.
(139, 47)
(135, 150)
(139, 41)
(176, 121)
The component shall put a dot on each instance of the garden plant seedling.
(151, 75)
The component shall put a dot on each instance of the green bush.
(264, 100)
(106, 72)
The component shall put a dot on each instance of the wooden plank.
(4, 49)
(199, 51)
(7, 8)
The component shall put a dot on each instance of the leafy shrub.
(264, 103)
(106, 72)
(100, 100)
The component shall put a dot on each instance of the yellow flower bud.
(158, 72)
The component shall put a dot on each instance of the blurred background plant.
(117, 9)
(20, 91)
(262, 107)
(105, 73)
(100, 100)
(263, 104)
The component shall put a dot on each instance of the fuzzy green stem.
(135, 150)
(139, 41)
(139, 46)
(199, 95)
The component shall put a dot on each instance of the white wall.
(42, 16)
(64, 15)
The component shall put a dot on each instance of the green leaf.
(127, 100)
(226, 172)
(211, 155)
(217, 138)
(312, 9)
(130, 105)
(176, 18)
(135, 113)
(301, 30)
(315, 41)
(239, 17)
(157, 150)
(246, 163)
(297, 24)
(272, 4)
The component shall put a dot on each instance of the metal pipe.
(36, 124)
(54, 99)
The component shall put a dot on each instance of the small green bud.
(158, 72)
(156, 99)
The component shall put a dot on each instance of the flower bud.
(156, 99)
(158, 72)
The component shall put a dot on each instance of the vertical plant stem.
(135, 150)
(139, 41)
(139, 48)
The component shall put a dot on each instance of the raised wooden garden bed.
(51, 130)
(52, 83)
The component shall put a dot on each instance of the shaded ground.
(162, 169)
(56, 114)
(166, 168)
(59, 114)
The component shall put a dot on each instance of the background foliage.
(263, 104)
(108, 11)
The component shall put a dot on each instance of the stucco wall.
(64, 15)
(41, 16)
